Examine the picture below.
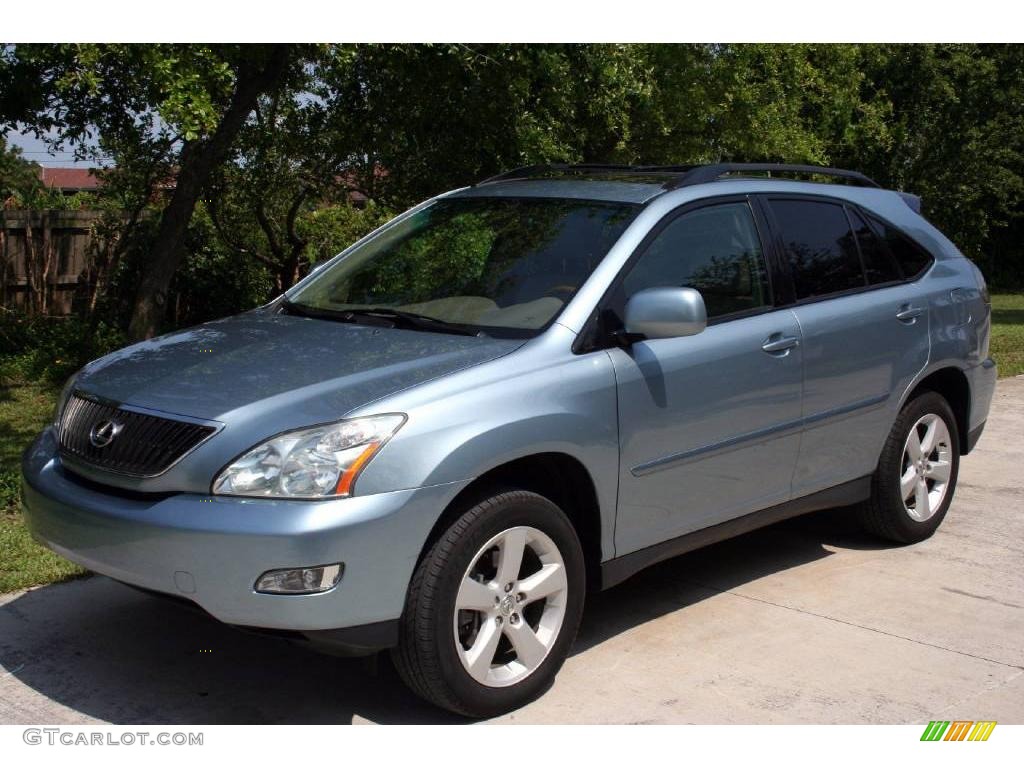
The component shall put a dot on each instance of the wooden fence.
(46, 260)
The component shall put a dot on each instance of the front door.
(709, 424)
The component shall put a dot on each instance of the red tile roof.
(70, 179)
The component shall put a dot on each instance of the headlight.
(309, 463)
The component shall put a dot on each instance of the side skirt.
(617, 570)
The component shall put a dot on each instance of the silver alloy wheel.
(510, 606)
(927, 466)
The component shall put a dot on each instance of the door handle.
(776, 344)
(909, 314)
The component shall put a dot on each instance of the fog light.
(300, 581)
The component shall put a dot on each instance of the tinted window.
(911, 257)
(878, 261)
(715, 250)
(503, 265)
(819, 247)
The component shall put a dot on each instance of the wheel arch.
(952, 384)
(559, 477)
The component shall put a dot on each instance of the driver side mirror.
(664, 313)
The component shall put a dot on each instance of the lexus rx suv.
(521, 391)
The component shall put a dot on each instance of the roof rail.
(705, 173)
(686, 175)
(523, 172)
(528, 171)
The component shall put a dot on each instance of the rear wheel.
(494, 606)
(913, 485)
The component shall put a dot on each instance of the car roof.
(619, 190)
(638, 184)
(678, 185)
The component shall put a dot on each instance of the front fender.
(540, 399)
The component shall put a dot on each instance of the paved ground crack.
(996, 685)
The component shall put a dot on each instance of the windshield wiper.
(289, 307)
(414, 320)
(396, 316)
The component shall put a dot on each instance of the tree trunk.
(4, 262)
(31, 278)
(198, 158)
(288, 274)
(47, 262)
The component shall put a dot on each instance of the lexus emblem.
(103, 433)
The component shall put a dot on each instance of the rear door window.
(819, 246)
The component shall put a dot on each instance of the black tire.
(884, 514)
(426, 656)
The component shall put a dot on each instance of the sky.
(35, 150)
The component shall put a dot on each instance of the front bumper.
(211, 549)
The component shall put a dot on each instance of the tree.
(165, 114)
(270, 140)
(16, 173)
(957, 136)
(284, 166)
(416, 119)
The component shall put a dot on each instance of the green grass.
(24, 410)
(1007, 347)
(26, 407)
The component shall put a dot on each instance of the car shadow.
(99, 649)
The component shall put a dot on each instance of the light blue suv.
(520, 391)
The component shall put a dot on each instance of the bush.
(50, 349)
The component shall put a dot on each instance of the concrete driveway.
(805, 622)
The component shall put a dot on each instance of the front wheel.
(913, 485)
(493, 607)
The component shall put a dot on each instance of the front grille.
(143, 444)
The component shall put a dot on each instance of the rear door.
(708, 424)
(864, 325)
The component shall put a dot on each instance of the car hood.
(295, 370)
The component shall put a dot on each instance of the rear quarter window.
(911, 257)
(879, 263)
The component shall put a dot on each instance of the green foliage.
(49, 349)
(22, 188)
(214, 281)
(16, 173)
(398, 123)
(438, 116)
(407, 274)
(943, 121)
(956, 137)
(331, 229)
(118, 95)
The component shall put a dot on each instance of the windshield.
(503, 266)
